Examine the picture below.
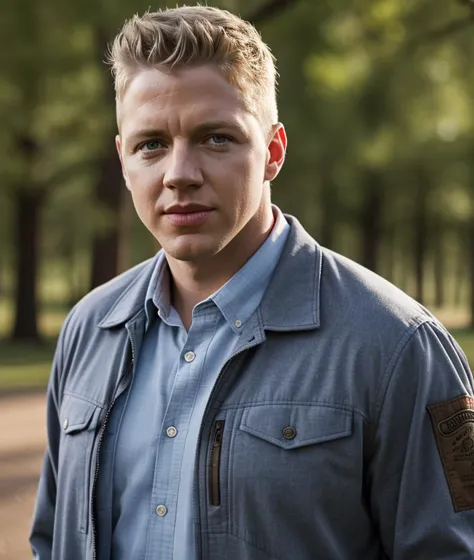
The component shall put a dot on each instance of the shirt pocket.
(79, 421)
(287, 464)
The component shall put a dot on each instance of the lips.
(186, 215)
(187, 208)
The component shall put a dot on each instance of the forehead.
(180, 96)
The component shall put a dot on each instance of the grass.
(27, 366)
(465, 339)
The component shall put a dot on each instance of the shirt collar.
(239, 297)
(291, 301)
(157, 299)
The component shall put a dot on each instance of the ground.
(22, 443)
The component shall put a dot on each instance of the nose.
(182, 168)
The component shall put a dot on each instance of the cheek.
(256, 164)
(145, 184)
(145, 191)
(247, 171)
(252, 176)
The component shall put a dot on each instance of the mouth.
(188, 215)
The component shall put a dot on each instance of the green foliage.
(364, 92)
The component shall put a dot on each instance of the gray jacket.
(327, 447)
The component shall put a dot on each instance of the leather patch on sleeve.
(453, 423)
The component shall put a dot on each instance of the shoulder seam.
(388, 373)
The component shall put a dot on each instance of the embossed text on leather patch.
(453, 423)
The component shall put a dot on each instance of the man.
(246, 394)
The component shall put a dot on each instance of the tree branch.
(269, 10)
(441, 33)
(273, 8)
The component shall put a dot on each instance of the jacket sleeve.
(421, 476)
(41, 535)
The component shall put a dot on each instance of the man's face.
(196, 161)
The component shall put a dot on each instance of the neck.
(193, 282)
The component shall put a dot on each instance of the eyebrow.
(208, 126)
(214, 125)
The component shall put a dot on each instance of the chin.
(191, 253)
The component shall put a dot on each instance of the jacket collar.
(132, 300)
(292, 299)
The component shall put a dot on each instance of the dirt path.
(22, 442)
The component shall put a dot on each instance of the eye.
(151, 146)
(219, 139)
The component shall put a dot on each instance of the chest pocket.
(287, 464)
(291, 427)
(79, 422)
(292, 450)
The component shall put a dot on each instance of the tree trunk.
(2, 279)
(108, 192)
(106, 245)
(462, 267)
(389, 254)
(126, 234)
(28, 203)
(370, 221)
(328, 208)
(438, 262)
(470, 250)
(420, 225)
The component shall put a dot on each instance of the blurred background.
(377, 97)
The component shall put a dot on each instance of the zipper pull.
(214, 474)
(218, 433)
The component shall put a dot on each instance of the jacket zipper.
(216, 387)
(214, 475)
(96, 474)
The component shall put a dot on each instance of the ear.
(118, 145)
(276, 152)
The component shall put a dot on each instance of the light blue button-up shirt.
(150, 461)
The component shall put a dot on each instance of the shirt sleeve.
(421, 476)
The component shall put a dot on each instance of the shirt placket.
(172, 439)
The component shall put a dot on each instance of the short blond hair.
(196, 35)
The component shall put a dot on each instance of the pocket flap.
(78, 414)
(292, 426)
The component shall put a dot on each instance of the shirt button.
(161, 510)
(289, 432)
(65, 424)
(171, 431)
(189, 356)
(238, 324)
